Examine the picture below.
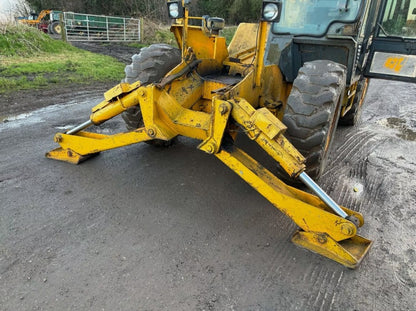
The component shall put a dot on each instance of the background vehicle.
(308, 69)
(47, 20)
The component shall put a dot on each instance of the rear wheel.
(56, 28)
(312, 111)
(353, 115)
(149, 66)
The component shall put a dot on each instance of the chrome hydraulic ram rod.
(81, 127)
(322, 195)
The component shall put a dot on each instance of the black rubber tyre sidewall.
(312, 111)
(54, 26)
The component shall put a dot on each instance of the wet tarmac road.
(140, 228)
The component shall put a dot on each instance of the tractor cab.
(33, 16)
(371, 38)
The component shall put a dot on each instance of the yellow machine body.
(35, 22)
(196, 99)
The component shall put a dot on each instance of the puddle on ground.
(401, 125)
(22, 116)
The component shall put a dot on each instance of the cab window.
(313, 17)
(399, 19)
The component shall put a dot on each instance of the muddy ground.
(140, 228)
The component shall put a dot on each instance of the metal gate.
(87, 27)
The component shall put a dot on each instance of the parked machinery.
(284, 82)
(46, 20)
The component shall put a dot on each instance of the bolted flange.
(223, 109)
(347, 229)
(210, 148)
(321, 238)
(151, 132)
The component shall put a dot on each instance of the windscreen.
(399, 19)
(313, 17)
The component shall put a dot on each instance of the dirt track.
(140, 228)
(120, 51)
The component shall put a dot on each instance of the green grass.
(27, 41)
(165, 36)
(30, 59)
(228, 32)
(137, 45)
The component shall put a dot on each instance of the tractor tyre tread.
(312, 111)
(55, 28)
(149, 66)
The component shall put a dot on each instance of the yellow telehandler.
(275, 70)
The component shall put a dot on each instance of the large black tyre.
(312, 111)
(56, 28)
(149, 66)
(353, 115)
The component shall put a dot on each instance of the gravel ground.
(140, 228)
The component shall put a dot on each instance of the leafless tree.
(19, 8)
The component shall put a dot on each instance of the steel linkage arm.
(263, 127)
(323, 230)
(78, 145)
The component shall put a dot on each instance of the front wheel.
(312, 111)
(149, 66)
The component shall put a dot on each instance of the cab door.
(393, 50)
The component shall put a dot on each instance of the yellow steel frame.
(188, 104)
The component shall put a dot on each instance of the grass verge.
(30, 59)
